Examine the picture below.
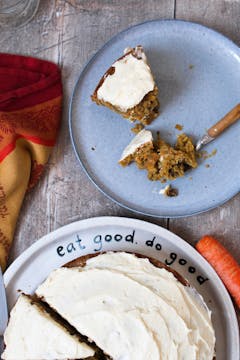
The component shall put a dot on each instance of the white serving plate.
(117, 233)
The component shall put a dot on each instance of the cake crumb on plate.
(137, 128)
(179, 127)
(169, 191)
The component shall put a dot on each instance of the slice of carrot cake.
(128, 87)
(32, 333)
(161, 160)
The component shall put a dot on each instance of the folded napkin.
(30, 110)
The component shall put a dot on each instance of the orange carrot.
(222, 261)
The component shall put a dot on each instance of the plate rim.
(101, 187)
(140, 225)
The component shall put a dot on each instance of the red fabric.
(26, 81)
(30, 113)
(30, 101)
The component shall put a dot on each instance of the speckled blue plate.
(197, 71)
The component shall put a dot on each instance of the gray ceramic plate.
(198, 74)
(109, 234)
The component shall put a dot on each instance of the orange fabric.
(37, 124)
(30, 111)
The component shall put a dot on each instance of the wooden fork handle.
(225, 122)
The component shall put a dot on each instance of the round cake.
(126, 306)
(131, 307)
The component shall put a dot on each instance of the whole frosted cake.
(122, 305)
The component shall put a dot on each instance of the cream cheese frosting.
(131, 309)
(142, 138)
(129, 83)
(33, 334)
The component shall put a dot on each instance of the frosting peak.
(131, 80)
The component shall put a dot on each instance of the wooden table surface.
(68, 33)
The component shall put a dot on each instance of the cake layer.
(131, 309)
(32, 334)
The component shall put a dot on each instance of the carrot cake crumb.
(137, 128)
(169, 191)
(162, 161)
(179, 127)
(205, 155)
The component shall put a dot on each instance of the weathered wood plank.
(221, 15)
(69, 32)
(31, 40)
(223, 222)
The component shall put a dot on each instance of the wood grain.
(223, 222)
(68, 33)
(221, 15)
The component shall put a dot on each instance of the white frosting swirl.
(33, 334)
(131, 309)
(131, 81)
